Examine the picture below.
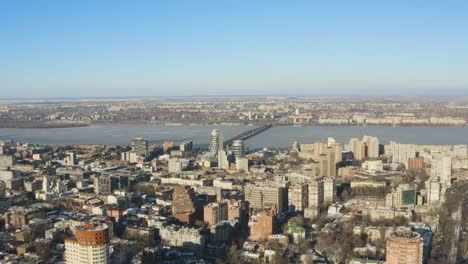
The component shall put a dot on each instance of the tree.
(233, 255)
(297, 220)
(42, 249)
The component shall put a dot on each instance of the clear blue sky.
(150, 48)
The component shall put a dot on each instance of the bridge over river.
(248, 134)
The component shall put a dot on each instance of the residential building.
(267, 195)
(183, 206)
(91, 245)
(404, 247)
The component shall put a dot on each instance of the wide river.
(121, 134)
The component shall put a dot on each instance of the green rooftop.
(293, 228)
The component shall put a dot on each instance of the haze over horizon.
(55, 49)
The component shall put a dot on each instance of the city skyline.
(55, 50)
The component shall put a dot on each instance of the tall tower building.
(441, 168)
(297, 196)
(327, 163)
(329, 192)
(433, 191)
(357, 147)
(223, 162)
(91, 245)
(238, 149)
(372, 146)
(140, 146)
(404, 247)
(315, 193)
(70, 160)
(338, 152)
(216, 141)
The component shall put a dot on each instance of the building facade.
(91, 245)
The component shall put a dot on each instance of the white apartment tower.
(441, 168)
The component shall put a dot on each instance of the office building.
(91, 245)
(403, 196)
(404, 247)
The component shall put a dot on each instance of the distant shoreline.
(54, 125)
(40, 125)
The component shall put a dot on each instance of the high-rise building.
(404, 247)
(102, 185)
(433, 191)
(186, 146)
(242, 164)
(216, 141)
(318, 148)
(329, 192)
(315, 193)
(357, 147)
(263, 196)
(223, 162)
(183, 206)
(298, 196)
(338, 152)
(441, 168)
(400, 153)
(70, 160)
(327, 163)
(140, 146)
(237, 148)
(372, 146)
(213, 213)
(91, 245)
